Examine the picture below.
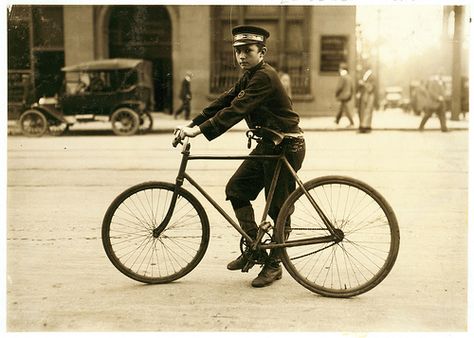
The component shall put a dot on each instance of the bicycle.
(336, 235)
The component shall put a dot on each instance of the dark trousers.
(254, 175)
(344, 110)
(186, 107)
(441, 115)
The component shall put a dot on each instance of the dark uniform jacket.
(258, 97)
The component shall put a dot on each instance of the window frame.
(224, 16)
(343, 53)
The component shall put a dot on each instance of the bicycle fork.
(179, 183)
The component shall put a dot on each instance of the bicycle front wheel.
(140, 252)
(365, 255)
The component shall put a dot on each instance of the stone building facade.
(307, 42)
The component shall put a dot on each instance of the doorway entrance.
(144, 32)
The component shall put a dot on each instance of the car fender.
(136, 105)
(50, 112)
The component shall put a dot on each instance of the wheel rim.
(363, 257)
(125, 122)
(145, 257)
(33, 123)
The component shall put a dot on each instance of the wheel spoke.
(367, 251)
(129, 238)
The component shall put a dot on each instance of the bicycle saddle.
(265, 134)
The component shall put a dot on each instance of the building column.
(457, 62)
(78, 34)
(193, 53)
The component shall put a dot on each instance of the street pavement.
(59, 278)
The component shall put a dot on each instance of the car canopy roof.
(104, 64)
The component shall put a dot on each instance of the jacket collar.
(252, 71)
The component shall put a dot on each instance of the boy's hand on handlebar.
(189, 131)
(181, 132)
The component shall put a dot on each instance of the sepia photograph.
(292, 167)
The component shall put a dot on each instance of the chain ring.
(254, 256)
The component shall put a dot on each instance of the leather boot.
(238, 263)
(271, 272)
(246, 218)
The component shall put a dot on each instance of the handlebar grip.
(178, 137)
(176, 141)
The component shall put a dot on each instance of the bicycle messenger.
(259, 98)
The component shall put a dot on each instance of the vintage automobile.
(115, 90)
(393, 97)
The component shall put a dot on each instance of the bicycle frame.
(281, 160)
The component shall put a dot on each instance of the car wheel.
(146, 122)
(125, 121)
(33, 123)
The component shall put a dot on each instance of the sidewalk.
(394, 119)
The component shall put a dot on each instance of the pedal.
(248, 266)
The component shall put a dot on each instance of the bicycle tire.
(127, 233)
(368, 250)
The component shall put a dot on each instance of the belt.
(293, 135)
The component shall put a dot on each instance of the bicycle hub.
(339, 234)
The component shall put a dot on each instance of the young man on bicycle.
(259, 98)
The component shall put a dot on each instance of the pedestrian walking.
(367, 101)
(259, 98)
(344, 91)
(286, 82)
(434, 103)
(185, 96)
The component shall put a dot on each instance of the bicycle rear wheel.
(365, 255)
(140, 253)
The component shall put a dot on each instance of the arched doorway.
(145, 32)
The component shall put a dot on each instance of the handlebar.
(257, 134)
(180, 138)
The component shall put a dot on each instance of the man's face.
(248, 56)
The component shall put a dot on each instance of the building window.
(48, 26)
(334, 50)
(18, 38)
(19, 60)
(48, 49)
(288, 44)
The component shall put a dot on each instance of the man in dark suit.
(434, 103)
(344, 92)
(185, 96)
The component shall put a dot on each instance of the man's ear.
(263, 51)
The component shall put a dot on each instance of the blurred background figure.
(367, 90)
(84, 83)
(185, 96)
(344, 91)
(97, 83)
(418, 96)
(434, 102)
(286, 82)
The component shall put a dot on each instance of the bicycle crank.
(257, 256)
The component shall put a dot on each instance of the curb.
(165, 124)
